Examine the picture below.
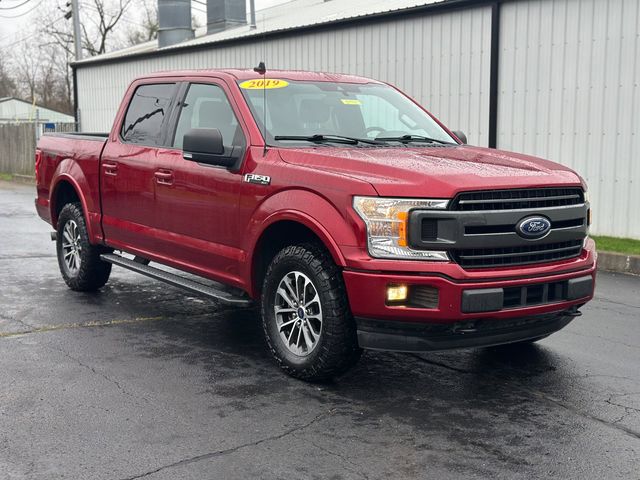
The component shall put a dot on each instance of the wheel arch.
(287, 229)
(67, 190)
(63, 192)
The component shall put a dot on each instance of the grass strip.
(627, 246)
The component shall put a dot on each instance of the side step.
(176, 280)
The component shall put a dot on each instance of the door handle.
(164, 177)
(110, 168)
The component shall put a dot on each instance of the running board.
(176, 280)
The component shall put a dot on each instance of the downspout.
(76, 114)
(494, 70)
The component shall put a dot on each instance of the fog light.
(397, 293)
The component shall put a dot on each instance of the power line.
(28, 37)
(122, 19)
(15, 6)
(23, 14)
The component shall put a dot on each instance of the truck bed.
(74, 157)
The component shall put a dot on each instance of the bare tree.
(39, 69)
(27, 68)
(95, 42)
(99, 19)
(7, 83)
(148, 29)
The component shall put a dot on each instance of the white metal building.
(553, 78)
(14, 110)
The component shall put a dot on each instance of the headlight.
(387, 221)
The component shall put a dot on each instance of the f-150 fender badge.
(257, 179)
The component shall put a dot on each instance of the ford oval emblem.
(534, 227)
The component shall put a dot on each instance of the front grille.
(520, 255)
(488, 229)
(518, 199)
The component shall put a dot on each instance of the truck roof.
(248, 74)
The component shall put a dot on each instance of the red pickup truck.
(346, 211)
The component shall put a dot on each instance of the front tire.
(79, 261)
(305, 314)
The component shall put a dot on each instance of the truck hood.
(438, 172)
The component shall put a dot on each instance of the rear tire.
(305, 314)
(79, 261)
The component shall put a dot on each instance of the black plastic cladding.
(477, 220)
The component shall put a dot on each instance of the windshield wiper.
(318, 137)
(413, 138)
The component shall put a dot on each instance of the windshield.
(324, 109)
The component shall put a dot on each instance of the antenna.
(261, 69)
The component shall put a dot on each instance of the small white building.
(14, 110)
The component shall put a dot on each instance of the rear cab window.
(147, 114)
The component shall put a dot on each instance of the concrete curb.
(619, 262)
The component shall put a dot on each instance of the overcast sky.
(17, 16)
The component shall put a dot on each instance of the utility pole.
(77, 35)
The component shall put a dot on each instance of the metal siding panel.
(630, 136)
(569, 83)
(574, 87)
(442, 60)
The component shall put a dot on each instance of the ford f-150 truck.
(346, 211)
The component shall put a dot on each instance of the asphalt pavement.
(142, 380)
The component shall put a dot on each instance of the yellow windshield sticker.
(350, 101)
(263, 83)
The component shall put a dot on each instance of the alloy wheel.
(71, 247)
(298, 313)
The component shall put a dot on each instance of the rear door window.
(147, 113)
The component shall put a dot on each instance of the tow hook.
(574, 313)
(465, 328)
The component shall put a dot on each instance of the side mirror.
(204, 145)
(461, 136)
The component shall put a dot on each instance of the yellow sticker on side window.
(263, 83)
(350, 101)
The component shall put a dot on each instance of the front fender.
(307, 208)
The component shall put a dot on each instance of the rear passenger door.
(197, 204)
(128, 168)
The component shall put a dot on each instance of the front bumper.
(465, 303)
(412, 337)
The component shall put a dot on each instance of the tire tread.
(339, 349)
(93, 273)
